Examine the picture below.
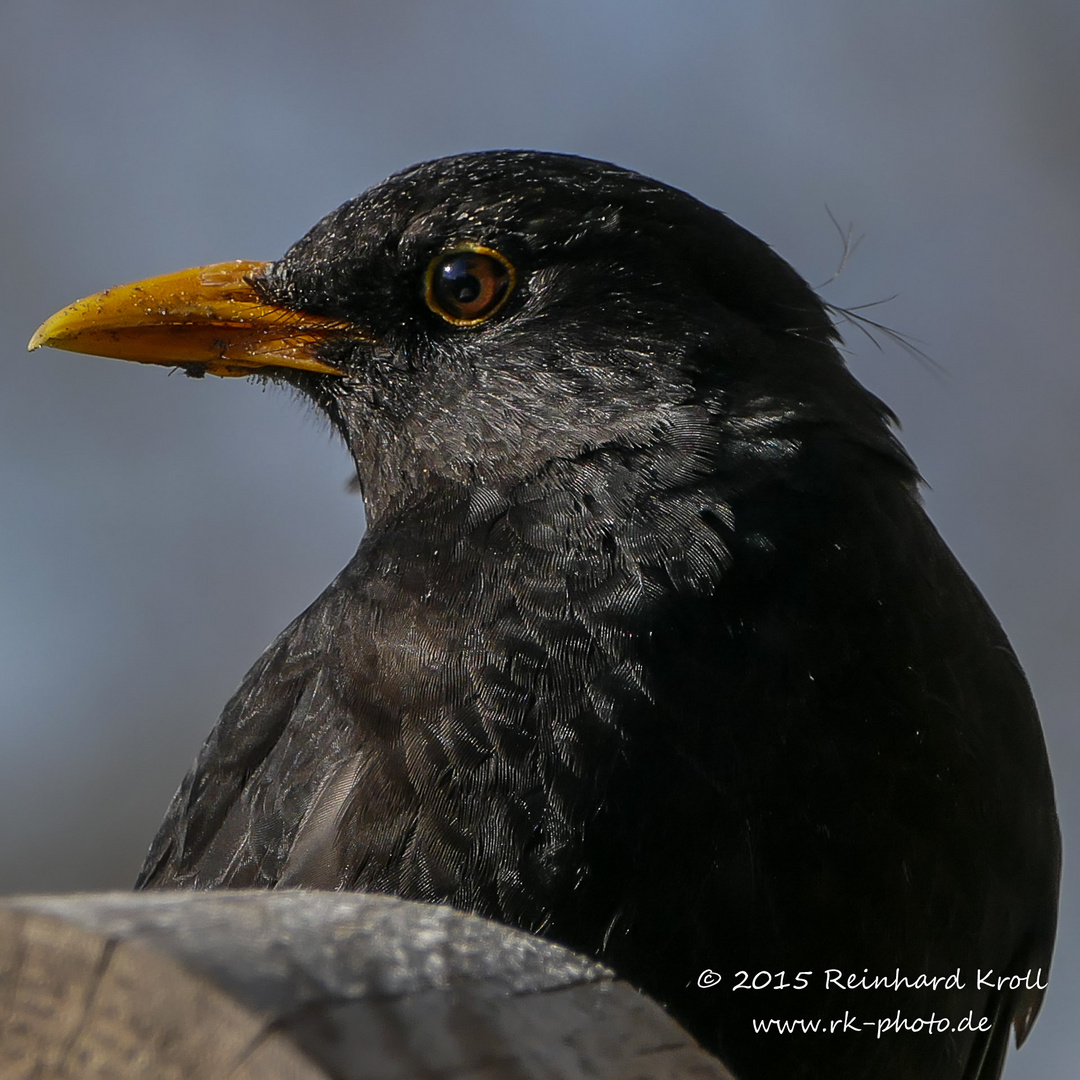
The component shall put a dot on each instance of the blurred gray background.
(156, 531)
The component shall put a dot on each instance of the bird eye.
(468, 285)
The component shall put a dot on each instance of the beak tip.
(48, 332)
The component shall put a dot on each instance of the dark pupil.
(462, 285)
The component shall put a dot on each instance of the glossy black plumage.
(649, 645)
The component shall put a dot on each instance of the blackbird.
(649, 646)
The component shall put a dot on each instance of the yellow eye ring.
(468, 283)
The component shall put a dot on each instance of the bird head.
(474, 318)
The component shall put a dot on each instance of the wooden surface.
(311, 986)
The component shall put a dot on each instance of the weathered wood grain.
(311, 986)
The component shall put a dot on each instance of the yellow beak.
(210, 318)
